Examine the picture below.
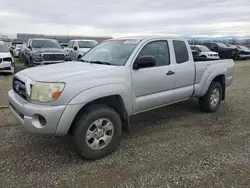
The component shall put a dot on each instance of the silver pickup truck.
(93, 99)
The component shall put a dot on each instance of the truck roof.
(90, 40)
(148, 37)
(41, 39)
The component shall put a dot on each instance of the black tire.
(20, 57)
(31, 63)
(205, 102)
(81, 125)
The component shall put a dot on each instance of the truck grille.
(5, 59)
(244, 53)
(19, 88)
(53, 57)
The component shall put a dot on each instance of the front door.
(75, 52)
(154, 86)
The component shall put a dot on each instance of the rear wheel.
(96, 132)
(31, 63)
(20, 56)
(210, 102)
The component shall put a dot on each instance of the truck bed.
(209, 69)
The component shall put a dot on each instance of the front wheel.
(96, 132)
(210, 102)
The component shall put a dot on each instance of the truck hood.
(62, 71)
(4, 54)
(52, 50)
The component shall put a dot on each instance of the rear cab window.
(181, 52)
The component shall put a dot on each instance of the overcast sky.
(127, 17)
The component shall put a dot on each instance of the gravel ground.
(176, 146)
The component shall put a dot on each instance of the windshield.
(87, 44)
(204, 49)
(113, 52)
(243, 48)
(45, 44)
(3, 48)
(221, 45)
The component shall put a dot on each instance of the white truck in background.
(77, 48)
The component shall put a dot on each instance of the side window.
(159, 50)
(27, 43)
(198, 49)
(212, 46)
(75, 44)
(181, 53)
(70, 44)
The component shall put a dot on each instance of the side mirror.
(75, 48)
(144, 62)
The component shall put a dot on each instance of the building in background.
(24, 37)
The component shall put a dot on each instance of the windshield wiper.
(100, 62)
(83, 60)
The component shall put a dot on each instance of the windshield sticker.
(132, 41)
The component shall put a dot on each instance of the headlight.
(37, 57)
(46, 92)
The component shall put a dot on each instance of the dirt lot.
(176, 146)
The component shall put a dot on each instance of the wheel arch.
(113, 101)
(220, 78)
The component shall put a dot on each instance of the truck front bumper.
(42, 119)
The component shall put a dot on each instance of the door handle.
(170, 73)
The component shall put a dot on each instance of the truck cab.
(77, 48)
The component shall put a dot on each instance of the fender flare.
(102, 91)
(210, 78)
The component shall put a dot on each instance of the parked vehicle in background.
(77, 48)
(6, 61)
(223, 50)
(205, 52)
(44, 51)
(17, 49)
(13, 46)
(196, 55)
(64, 45)
(232, 46)
(21, 55)
(244, 52)
(93, 99)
